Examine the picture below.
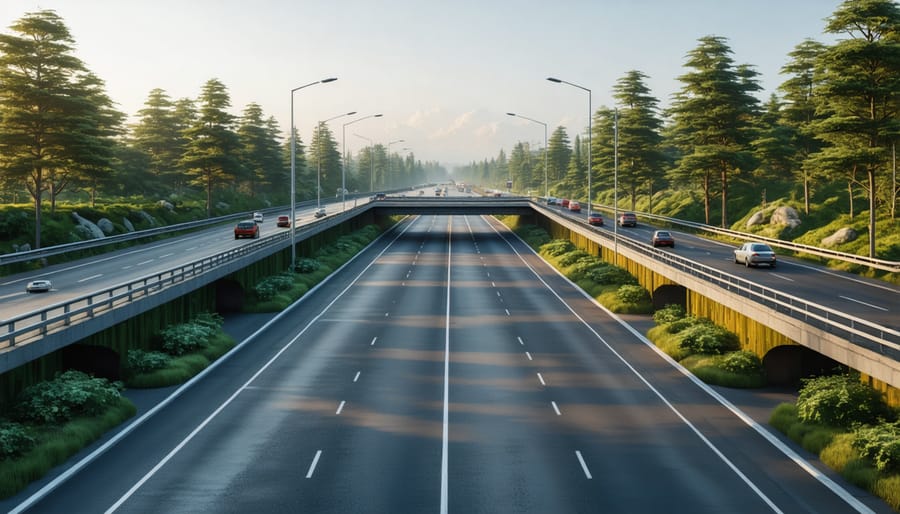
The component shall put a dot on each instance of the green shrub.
(707, 338)
(840, 401)
(185, 338)
(680, 325)
(212, 320)
(14, 441)
(839, 452)
(610, 274)
(307, 265)
(557, 247)
(743, 363)
(586, 264)
(632, 294)
(669, 314)
(783, 416)
(888, 489)
(70, 394)
(139, 361)
(881, 445)
(268, 287)
(572, 257)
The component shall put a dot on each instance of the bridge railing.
(873, 336)
(28, 326)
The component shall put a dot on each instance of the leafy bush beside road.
(851, 428)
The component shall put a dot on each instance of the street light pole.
(546, 185)
(344, 156)
(319, 157)
(389, 155)
(559, 81)
(371, 162)
(294, 173)
(616, 185)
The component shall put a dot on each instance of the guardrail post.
(67, 320)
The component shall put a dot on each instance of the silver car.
(754, 254)
(39, 286)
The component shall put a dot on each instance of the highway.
(869, 299)
(446, 369)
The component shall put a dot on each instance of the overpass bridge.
(765, 318)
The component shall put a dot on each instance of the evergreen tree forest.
(61, 137)
(828, 136)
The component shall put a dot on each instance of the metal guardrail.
(881, 264)
(40, 253)
(39, 323)
(873, 336)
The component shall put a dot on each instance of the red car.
(564, 202)
(283, 221)
(662, 238)
(574, 206)
(246, 229)
(595, 219)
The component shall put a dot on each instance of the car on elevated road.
(247, 228)
(595, 219)
(754, 254)
(39, 286)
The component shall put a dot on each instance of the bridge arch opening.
(98, 361)
(669, 294)
(786, 365)
(229, 296)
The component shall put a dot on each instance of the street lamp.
(389, 154)
(344, 156)
(546, 186)
(294, 173)
(558, 81)
(616, 185)
(319, 158)
(371, 162)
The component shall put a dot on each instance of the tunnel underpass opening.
(786, 365)
(98, 361)
(669, 294)
(229, 296)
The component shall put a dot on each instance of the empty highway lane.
(447, 369)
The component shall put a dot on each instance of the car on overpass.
(627, 219)
(754, 254)
(574, 206)
(258, 217)
(247, 228)
(283, 221)
(320, 212)
(595, 219)
(662, 238)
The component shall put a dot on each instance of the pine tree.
(859, 84)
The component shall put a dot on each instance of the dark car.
(754, 254)
(246, 229)
(627, 219)
(283, 221)
(662, 238)
(380, 196)
(595, 219)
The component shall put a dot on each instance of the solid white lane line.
(357, 376)
(166, 255)
(340, 407)
(541, 379)
(92, 277)
(312, 467)
(556, 408)
(806, 466)
(144, 262)
(520, 341)
(584, 467)
(37, 496)
(191, 248)
(373, 341)
(528, 354)
(446, 423)
(862, 303)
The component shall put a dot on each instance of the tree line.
(60, 132)
(836, 120)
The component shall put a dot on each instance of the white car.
(39, 286)
(320, 213)
(754, 254)
(258, 217)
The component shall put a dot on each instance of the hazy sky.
(444, 74)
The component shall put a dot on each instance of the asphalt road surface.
(447, 369)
